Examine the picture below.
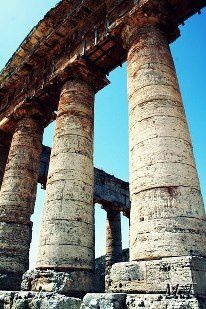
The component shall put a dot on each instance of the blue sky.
(111, 124)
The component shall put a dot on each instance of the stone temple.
(54, 76)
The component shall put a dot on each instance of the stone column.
(167, 212)
(17, 199)
(67, 242)
(168, 227)
(113, 239)
(4, 151)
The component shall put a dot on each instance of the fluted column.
(17, 199)
(167, 212)
(4, 151)
(113, 239)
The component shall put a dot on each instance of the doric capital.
(33, 110)
(151, 14)
(82, 69)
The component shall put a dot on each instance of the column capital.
(111, 210)
(82, 69)
(33, 110)
(156, 14)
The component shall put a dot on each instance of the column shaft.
(167, 213)
(17, 199)
(113, 239)
(66, 241)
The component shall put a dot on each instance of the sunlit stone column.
(168, 227)
(17, 199)
(113, 239)
(4, 151)
(167, 212)
(67, 240)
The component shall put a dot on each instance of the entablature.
(76, 31)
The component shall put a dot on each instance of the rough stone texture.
(167, 212)
(72, 283)
(4, 151)
(150, 301)
(104, 301)
(108, 190)
(111, 192)
(67, 229)
(156, 276)
(17, 199)
(41, 300)
(113, 239)
(61, 282)
(161, 302)
(100, 267)
(32, 300)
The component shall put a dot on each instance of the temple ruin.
(54, 76)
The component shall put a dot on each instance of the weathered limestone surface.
(67, 230)
(104, 301)
(58, 282)
(4, 151)
(17, 199)
(71, 282)
(113, 239)
(161, 302)
(149, 301)
(108, 190)
(111, 192)
(167, 212)
(188, 273)
(32, 300)
(100, 270)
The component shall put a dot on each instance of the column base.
(10, 281)
(177, 276)
(146, 301)
(31, 300)
(72, 283)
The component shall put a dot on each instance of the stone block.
(186, 274)
(32, 300)
(162, 302)
(68, 283)
(104, 301)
